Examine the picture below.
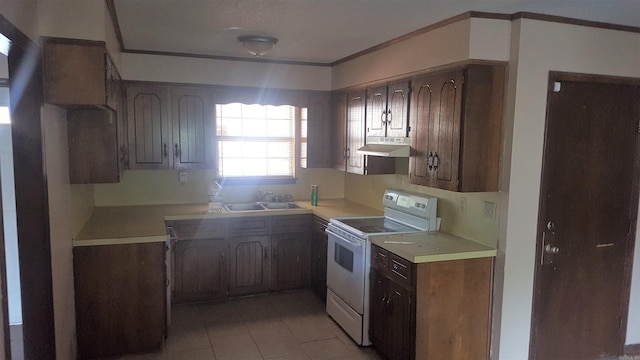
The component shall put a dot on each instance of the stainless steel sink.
(244, 207)
(259, 206)
(281, 205)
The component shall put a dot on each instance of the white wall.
(79, 19)
(471, 38)
(22, 14)
(57, 169)
(543, 47)
(224, 72)
(144, 187)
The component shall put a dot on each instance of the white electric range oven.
(349, 255)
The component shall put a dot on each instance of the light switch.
(183, 177)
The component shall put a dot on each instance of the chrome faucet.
(262, 195)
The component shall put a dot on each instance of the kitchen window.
(258, 142)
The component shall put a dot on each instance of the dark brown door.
(290, 261)
(192, 146)
(377, 111)
(249, 264)
(339, 131)
(398, 109)
(421, 129)
(399, 309)
(355, 131)
(447, 115)
(149, 128)
(378, 318)
(201, 270)
(587, 219)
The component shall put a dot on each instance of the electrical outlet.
(462, 202)
(489, 210)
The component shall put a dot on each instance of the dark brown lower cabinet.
(120, 297)
(201, 269)
(289, 261)
(249, 270)
(216, 258)
(319, 241)
(435, 310)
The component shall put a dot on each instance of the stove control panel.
(420, 205)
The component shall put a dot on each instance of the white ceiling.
(320, 31)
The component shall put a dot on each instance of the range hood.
(386, 146)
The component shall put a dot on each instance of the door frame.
(32, 204)
(634, 204)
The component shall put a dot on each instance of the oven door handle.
(342, 238)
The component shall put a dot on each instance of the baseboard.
(632, 349)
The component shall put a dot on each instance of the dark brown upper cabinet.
(388, 109)
(317, 134)
(339, 131)
(169, 127)
(93, 146)
(356, 104)
(348, 135)
(149, 127)
(456, 128)
(192, 143)
(79, 73)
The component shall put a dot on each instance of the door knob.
(551, 249)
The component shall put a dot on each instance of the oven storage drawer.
(393, 266)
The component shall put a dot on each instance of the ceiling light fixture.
(257, 45)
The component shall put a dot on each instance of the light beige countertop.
(432, 246)
(139, 224)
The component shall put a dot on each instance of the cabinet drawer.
(198, 229)
(400, 270)
(319, 225)
(379, 258)
(290, 223)
(249, 225)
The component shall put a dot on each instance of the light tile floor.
(287, 326)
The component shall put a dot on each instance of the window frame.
(261, 97)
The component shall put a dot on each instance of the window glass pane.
(278, 166)
(253, 127)
(280, 128)
(256, 140)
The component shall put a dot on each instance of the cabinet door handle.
(344, 153)
(436, 161)
(389, 116)
(266, 253)
(348, 153)
(383, 117)
(176, 151)
(430, 161)
(165, 152)
(222, 257)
